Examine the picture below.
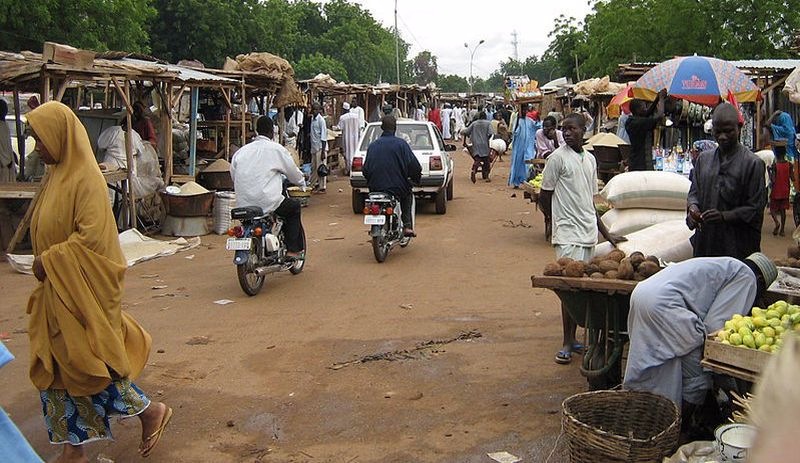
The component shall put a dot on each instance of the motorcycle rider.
(257, 170)
(389, 165)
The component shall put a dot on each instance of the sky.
(443, 26)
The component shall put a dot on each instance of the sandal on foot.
(156, 436)
(578, 348)
(563, 357)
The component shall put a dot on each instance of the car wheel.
(358, 202)
(450, 190)
(441, 202)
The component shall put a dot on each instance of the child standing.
(780, 174)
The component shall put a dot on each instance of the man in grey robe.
(727, 197)
(480, 132)
(671, 315)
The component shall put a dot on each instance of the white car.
(431, 152)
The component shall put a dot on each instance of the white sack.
(626, 221)
(647, 189)
(668, 241)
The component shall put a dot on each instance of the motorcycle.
(259, 247)
(382, 213)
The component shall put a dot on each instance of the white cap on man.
(345, 105)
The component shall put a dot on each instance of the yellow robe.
(77, 329)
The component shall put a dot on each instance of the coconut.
(564, 261)
(653, 259)
(616, 255)
(607, 265)
(636, 259)
(592, 268)
(574, 269)
(638, 277)
(612, 275)
(648, 269)
(625, 270)
(597, 275)
(552, 269)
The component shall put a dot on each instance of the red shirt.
(435, 117)
(145, 130)
(780, 188)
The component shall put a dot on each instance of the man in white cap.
(673, 311)
(350, 125)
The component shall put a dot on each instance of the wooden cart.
(601, 307)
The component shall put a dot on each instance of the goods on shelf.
(612, 266)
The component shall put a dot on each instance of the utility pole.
(396, 44)
(515, 42)
(471, 56)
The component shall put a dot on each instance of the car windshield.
(417, 135)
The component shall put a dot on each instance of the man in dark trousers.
(640, 125)
(727, 198)
(390, 167)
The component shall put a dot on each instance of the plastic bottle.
(659, 160)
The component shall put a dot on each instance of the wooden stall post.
(244, 115)
(45, 88)
(166, 121)
(193, 103)
(129, 154)
(226, 92)
(20, 136)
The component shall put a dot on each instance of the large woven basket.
(620, 426)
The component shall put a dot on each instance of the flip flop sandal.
(563, 357)
(156, 436)
(578, 348)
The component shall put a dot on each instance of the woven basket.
(620, 426)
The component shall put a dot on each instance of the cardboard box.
(68, 56)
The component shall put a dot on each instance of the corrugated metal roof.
(777, 64)
(185, 74)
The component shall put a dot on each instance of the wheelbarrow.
(601, 307)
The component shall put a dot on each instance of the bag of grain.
(626, 221)
(668, 241)
(647, 189)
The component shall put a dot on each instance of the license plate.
(238, 244)
(374, 219)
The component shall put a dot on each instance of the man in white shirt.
(349, 125)
(111, 146)
(257, 170)
(359, 111)
(319, 139)
(569, 184)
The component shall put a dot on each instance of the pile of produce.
(536, 182)
(612, 266)
(762, 329)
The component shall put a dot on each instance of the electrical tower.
(515, 42)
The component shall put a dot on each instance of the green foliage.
(93, 24)
(425, 68)
(309, 66)
(451, 83)
(622, 31)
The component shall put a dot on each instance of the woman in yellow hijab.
(84, 349)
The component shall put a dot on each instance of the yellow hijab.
(77, 330)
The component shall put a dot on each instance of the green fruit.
(726, 342)
(745, 331)
(748, 341)
(786, 319)
(757, 312)
(768, 331)
(760, 339)
(736, 317)
(779, 330)
(774, 322)
(730, 326)
(793, 309)
(771, 313)
(760, 322)
(735, 339)
(765, 348)
(769, 341)
(723, 335)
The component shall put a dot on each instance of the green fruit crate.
(735, 361)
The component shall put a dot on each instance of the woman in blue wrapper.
(523, 147)
(782, 129)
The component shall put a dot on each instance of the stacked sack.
(649, 208)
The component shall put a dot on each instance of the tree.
(309, 66)
(567, 46)
(451, 83)
(425, 68)
(93, 24)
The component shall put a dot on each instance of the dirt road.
(253, 381)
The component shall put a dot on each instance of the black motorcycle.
(260, 247)
(382, 213)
